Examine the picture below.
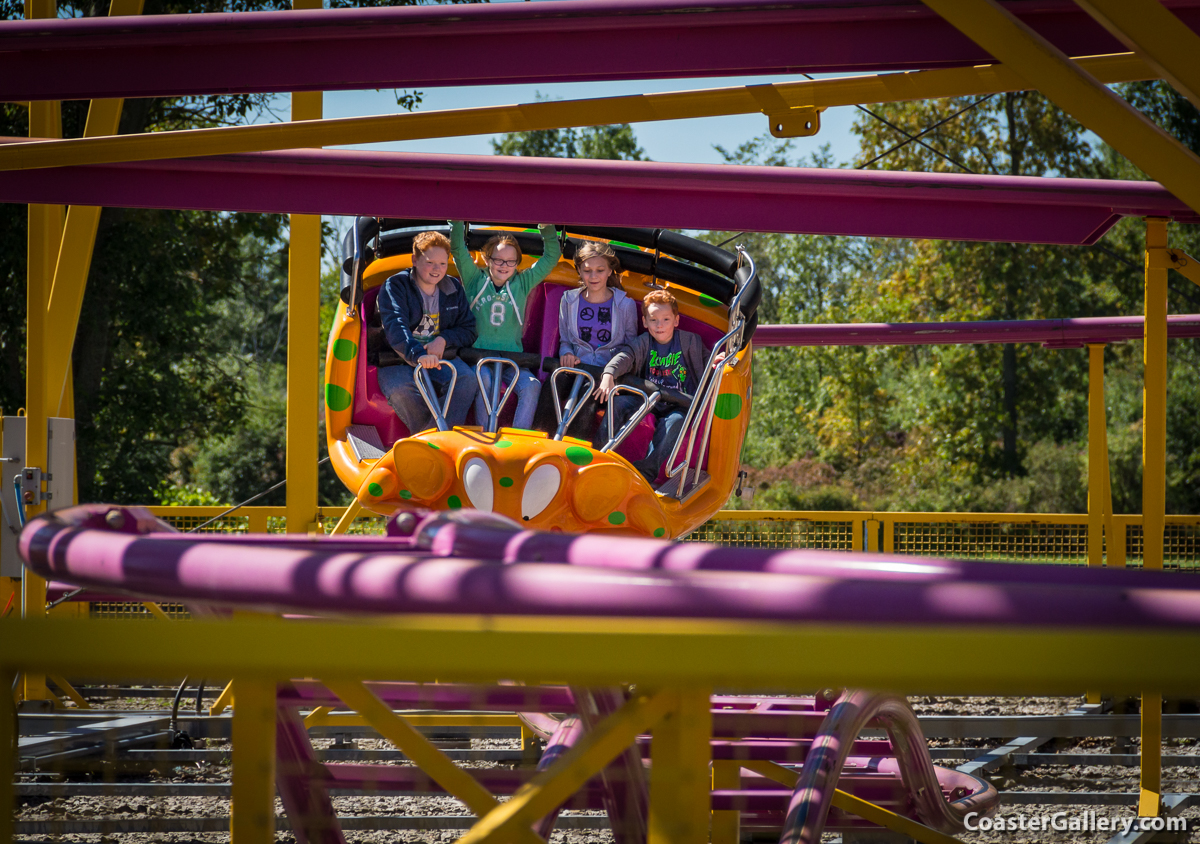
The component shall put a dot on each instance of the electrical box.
(12, 450)
(59, 479)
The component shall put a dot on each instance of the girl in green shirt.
(498, 294)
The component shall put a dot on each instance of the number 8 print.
(497, 316)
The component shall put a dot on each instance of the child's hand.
(720, 357)
(607, 385)
(568, 360)
(436, 347)
(428, 361)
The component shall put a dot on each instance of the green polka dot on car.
(375, 489)
(503, 443)
(616, 518)
(728, 406)
(660, 532)
(454, 502)
(506, 482)
(579, 455)
(345, 349)
(405, 494)
(337, 398)
(710, 301)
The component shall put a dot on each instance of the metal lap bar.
(704, 402)
(493, 403)
(710, 386)
(615, 438)
(425, 387)
(575, 401)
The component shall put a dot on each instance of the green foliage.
(179, 358)
(610, 142)
(998, 428)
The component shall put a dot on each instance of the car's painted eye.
(477, 480)
(540, 488)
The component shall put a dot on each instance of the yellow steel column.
(997, 30)
(1099, 490)
(45, 230)
(8, 762)
(303, 377)
(680, 754)
(1154, 402)
(1154, 489)
(252, 814)
(726, 825)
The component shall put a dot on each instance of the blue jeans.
(528, 388)
(666, 432)
(396, 382)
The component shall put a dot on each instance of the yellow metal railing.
(1031, 537)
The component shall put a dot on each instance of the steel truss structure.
(1022, 44)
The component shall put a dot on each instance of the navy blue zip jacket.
(400, 311)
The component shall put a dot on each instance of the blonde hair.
(430, 240)
(596, 249)
(661, 297)
(495, 242)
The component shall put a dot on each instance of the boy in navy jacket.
(424, 311)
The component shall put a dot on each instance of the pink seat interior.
(540, 336)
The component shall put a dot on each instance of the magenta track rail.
(945, 206)
(1054, 333)
(471, 563)
(174, 55)
(451, 567)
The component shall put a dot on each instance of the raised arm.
(526, 280)
(472, 277)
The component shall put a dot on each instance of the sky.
(688, 141)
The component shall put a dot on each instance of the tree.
(612, 142)
(182, 331)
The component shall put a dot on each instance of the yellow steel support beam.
(303, 377)
(155, 610)
(726, 825)
(680, 755)
(1036, 660)
(1159, 38)
(857, 806)
(317, 716)
(639, 108)
(1150, 779)
(415, 746)
(224, 700)
(8, 756)
(45, 230)
(1174, 259)
(347, 519)
(324, 717)
(252, 813)
(1154, 402)
(1081, 95)
(549, 788)
(1099, 486)
(75, 256)
(70, 691)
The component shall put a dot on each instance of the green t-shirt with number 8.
(500, 311)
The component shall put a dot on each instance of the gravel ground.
(1016, 818)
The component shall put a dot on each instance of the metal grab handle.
(493, 404)
(425, 388)
(702, 403)
(575, 402)
(615, 438)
